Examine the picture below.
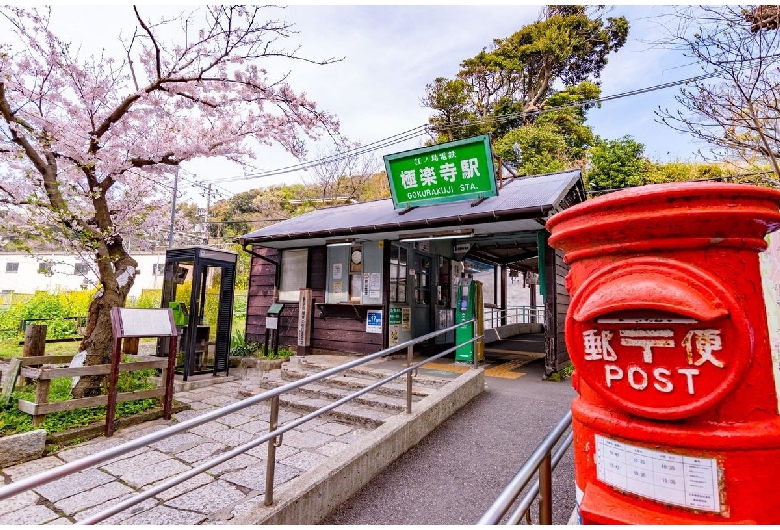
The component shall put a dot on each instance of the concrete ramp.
(510, 330)
(310, 497)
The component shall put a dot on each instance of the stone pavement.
(213, 497)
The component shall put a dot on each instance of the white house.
(52, 271)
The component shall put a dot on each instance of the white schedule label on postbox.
(681, 480)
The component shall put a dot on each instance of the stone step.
(371, 399)
(356, 378)
(366, 371)
(352, 413)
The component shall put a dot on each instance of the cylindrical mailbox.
(676, 421)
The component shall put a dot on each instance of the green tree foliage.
(616, 164)
(514, 88)
(556, 139)
(250, 210)
(188, 211)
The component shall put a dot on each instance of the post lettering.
(666, 385)
(689, 373)
(642, 384)
(614, 373)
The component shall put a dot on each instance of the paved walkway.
(213, 497)
(453, 475)
(458, 469)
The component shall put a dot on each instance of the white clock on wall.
(357, 256)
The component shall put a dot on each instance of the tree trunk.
(98, 336)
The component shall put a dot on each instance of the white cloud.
(391, 52)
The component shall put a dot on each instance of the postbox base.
(635, 471)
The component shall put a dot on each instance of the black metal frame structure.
(202, 259)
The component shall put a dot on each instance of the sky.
(391, 52)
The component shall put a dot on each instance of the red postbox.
(676, 421)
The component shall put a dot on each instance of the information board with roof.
(453, 171)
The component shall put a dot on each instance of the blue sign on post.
(374, 321)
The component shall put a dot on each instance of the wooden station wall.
(339, 328)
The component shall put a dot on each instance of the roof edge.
(506, 215)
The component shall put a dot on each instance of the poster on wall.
(395, 325)
(375, 282)
(374, 321)
(337, 271)
(406, 314)
(355, 287)
(338, 289)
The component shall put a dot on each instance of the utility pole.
(173, 207)
(206, 220)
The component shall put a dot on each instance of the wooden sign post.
(141, 323)
(304, 322)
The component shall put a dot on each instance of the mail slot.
(676, 419)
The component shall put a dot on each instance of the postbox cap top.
(639, 289)
(649, 196)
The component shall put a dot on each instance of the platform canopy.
(502, 229)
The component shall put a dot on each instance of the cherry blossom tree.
(89, 143)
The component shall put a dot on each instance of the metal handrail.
(522, 314)
(273, 437)
(540, 460)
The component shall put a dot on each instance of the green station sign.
(454, 171)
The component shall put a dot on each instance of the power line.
(367, 148)
(422, 129)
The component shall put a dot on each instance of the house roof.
(526, 198)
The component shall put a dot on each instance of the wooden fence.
(32, 367)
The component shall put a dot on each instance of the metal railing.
(543, 460)
(521, 314)
(273, 437)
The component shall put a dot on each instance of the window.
(422, 289)
(80, 268)
(294, 269)
(45, 267)
(12, 267)
(356, 273)
(398, 258)
(158, 269)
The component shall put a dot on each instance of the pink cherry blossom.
(89, 144)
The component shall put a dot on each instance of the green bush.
(54, 307)
(239, 347)
(149, 299)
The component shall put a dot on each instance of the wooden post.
(34, 344)
(130, 345)
(41, 397)
(167, 377)
(112, 379)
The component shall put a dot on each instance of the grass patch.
(561, 375)
(240, 347)
(11, 348)
(283, 353)
(14, 421)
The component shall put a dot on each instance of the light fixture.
(339, 242)
(459, 233)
